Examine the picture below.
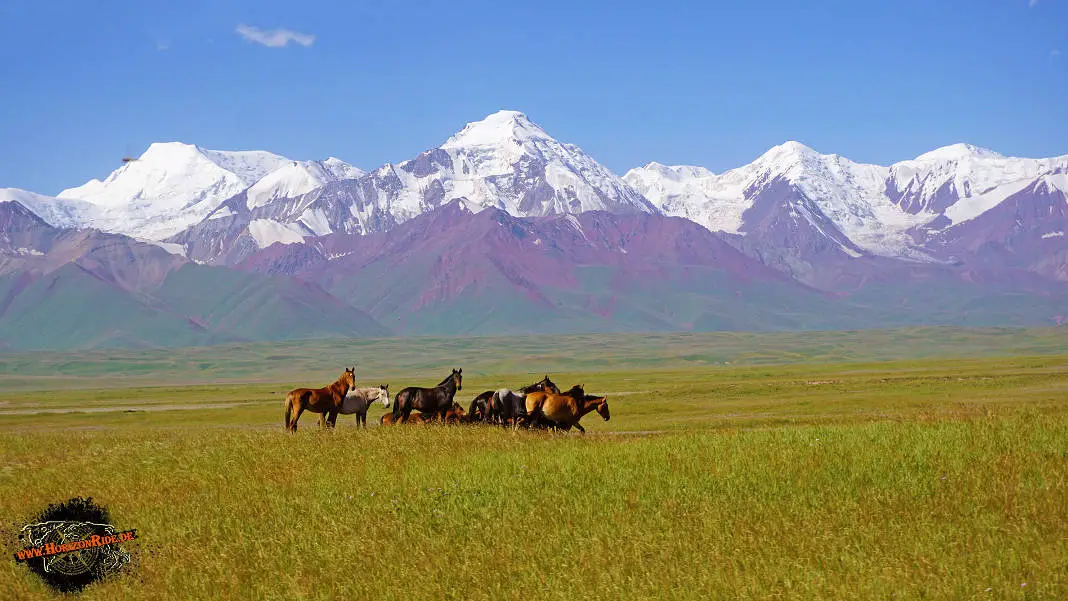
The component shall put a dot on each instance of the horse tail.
(495, 406)
(398, 401)
(289, 409)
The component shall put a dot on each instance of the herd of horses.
(540, 405)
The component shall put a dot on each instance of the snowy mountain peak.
(957, 152)
(162, 151)
(341, 169)
(504, 161)
(834, 190)
(247, 165)
(788, 154)
(171, 186)
(495, 129)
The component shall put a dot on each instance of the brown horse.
(428, 400)
(388, 419)
(326, 400)
(455, 414)
(565, 410)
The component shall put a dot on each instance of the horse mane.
(338, 384)
(543, 384)
(445, 381)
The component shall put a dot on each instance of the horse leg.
(332, 420)
(579, 426)
(296, 416)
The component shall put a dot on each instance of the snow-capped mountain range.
(878, 209)
(791, 208)
(173, 186)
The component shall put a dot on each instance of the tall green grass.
(951, 509)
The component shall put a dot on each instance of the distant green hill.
(70, 309)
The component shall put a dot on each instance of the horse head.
(545, 385)
(602, 407)
(457, 378)
(384, 395)
(349, 377)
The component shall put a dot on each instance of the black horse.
(427, 400)
(509, 407)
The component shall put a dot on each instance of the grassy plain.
(902, 464)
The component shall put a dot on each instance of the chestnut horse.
(428, 400)
(388, 419)
(565, 410)
(455, 414)
(327, 400)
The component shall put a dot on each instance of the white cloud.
(1032, 3)
(274, 38)
(1054, 53)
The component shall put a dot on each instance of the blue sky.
(706, 83)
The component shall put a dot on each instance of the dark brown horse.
(326, 400)
(565, 410)
(479, 408)
(428, 400)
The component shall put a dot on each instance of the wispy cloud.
(274, 38)
(1032, 3)
(1054, 53)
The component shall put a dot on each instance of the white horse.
(358, 400)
